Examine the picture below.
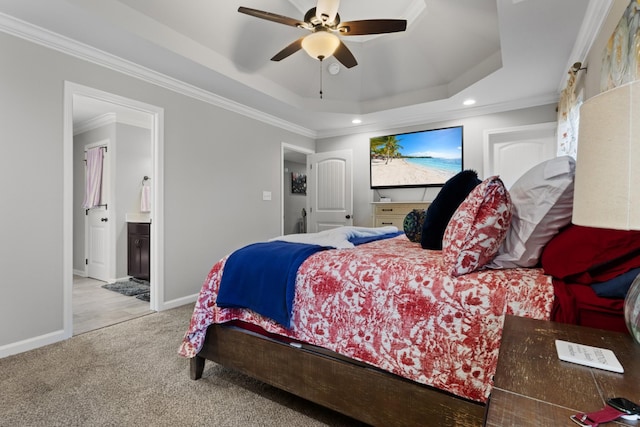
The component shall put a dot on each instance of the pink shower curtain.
(93, 186)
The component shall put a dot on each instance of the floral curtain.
(620, 65)
(569, 118)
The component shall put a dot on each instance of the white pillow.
(542, 204)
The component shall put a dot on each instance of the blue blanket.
(262, 276)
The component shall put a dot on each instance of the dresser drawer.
(398, 208)
(393, 213)
(385, 221)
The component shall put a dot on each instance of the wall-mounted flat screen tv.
(426, 158)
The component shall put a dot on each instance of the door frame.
(287, 147)
(157, 201)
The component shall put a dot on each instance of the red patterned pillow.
(477, 228)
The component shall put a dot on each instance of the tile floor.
(95, 307)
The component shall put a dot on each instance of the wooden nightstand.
(533, 387)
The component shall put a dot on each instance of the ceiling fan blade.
(372, 26)
(344, 55)
(289, 50)
(272, 17)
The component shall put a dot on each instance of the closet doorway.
(134, 130)
(293, 184)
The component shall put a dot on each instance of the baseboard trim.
(32, 343)
(189, 299)
(56, 336)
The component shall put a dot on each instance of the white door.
(329, 190)
(513, 151)
(98, 226)
(98, 243)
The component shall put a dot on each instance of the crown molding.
(66, 45)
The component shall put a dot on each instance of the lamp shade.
(607, 182)
(321, 44)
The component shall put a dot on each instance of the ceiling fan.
(324, 23)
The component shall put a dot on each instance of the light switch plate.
(266, 195)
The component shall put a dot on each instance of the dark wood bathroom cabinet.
(139, 238)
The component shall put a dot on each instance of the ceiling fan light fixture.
(321, 44)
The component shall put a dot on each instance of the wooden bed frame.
(352, 388)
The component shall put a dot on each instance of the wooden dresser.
(393, 213)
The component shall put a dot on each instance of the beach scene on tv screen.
(416, 159)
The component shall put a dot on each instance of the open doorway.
(128, 126)
(293, 184)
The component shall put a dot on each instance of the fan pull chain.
(320, 58)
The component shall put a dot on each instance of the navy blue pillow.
(616, 287)
(440, 211)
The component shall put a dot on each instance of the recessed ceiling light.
(469, 101)
(356, 121)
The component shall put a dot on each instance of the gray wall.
(474, 128)
(216, 165)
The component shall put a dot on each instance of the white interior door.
(98, 243)
(511, 152)
(329, 190)
(98, 226)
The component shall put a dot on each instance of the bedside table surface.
(532, 386)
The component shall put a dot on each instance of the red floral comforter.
(390, 304)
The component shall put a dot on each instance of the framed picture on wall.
(298, 183)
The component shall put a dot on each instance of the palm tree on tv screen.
(386, 147)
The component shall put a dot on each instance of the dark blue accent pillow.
(616, 287)
(440, 211)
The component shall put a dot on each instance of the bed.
(386, 331)
(358, 365)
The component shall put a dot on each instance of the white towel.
(145, 199)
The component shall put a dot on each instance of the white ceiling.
(506, 54)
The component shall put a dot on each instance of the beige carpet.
(130, 375)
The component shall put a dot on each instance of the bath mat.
(129, 287)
